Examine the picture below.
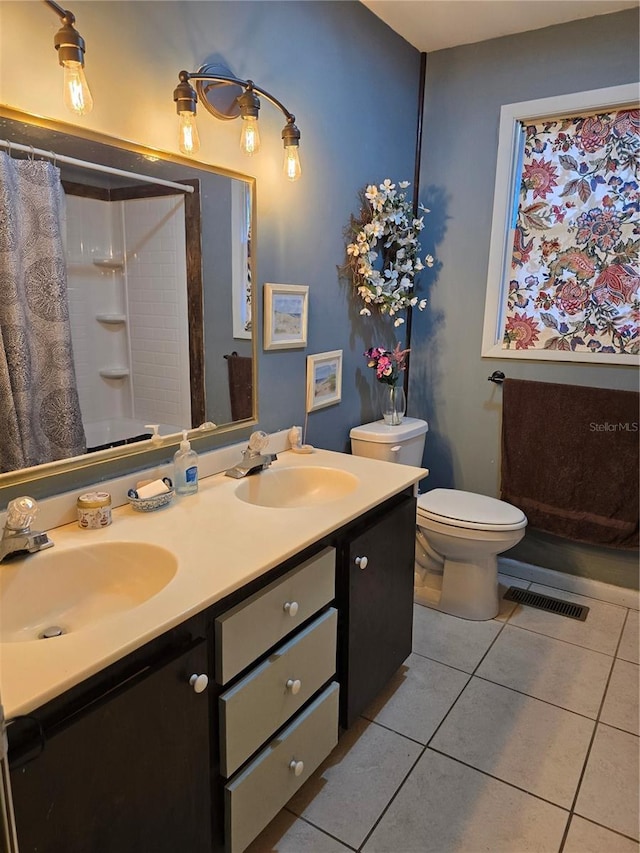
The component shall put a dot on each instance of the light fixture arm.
(65, 15)
(197, 76)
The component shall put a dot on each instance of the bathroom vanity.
(194, 735)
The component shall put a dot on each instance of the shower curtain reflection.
(40, 417)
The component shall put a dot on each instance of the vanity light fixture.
(70, 46)
(228, 97)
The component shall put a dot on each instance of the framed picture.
(324, 379)
(285, 315)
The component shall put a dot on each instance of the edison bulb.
(188, 140)
(77, 96)
(292, 168)
(250, 135)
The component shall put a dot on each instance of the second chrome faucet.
(254, 458)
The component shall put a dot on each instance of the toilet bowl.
(458, 534)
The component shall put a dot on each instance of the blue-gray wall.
(465, 89)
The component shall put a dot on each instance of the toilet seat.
(469, 510)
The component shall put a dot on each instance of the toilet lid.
(467, 509)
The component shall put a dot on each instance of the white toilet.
(458, 534)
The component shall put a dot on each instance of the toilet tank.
(403, 443)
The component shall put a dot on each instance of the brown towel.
(240, 369)
(570, 460)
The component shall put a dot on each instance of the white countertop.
(221, 543)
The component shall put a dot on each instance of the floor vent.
(546, 602)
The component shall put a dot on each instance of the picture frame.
(286, 310)
(324, 379)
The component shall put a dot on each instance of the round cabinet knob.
(199, 682)
(291, 607)
(294, 685)
(296, 766)
(362, 562)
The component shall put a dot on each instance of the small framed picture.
(286, 308)
(324, 379)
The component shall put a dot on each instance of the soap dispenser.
(185, 463)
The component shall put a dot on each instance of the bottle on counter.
(185, 463)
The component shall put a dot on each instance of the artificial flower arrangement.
(388, 364)
(384, 255)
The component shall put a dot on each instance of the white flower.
(429, 260)
(365, 312)
(398, 321)
(387, 238)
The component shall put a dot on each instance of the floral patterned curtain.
(574, 278)
(40, 417)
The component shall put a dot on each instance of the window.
(563, 280)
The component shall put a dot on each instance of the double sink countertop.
(220, 543)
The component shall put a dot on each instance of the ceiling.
(432, 25)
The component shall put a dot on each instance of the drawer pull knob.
(362, 562)
(291, 607)
(199, 682)
(296, 766)
(294, 685)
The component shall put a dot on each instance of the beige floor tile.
(630, 643)
(561, 673)
(609, 789)
(350, 790)
(620, 707)
(587, 837)
(456, 642)
(290, 834)
(518, 739)
(600, 632)
(507, 607)
(418, 697)
(445, 807)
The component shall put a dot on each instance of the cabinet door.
(128, 774)
(378, 621)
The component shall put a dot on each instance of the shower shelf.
(114, 372)
(112, 319)
(109, 263)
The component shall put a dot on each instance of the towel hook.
(497, 376)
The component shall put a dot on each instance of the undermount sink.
(75, 588)
(296, 487)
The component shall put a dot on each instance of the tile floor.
(518, 734)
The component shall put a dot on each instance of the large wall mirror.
(158, 284)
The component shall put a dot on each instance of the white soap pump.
(155, 438)
(185, 463)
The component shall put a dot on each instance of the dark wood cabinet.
(127, 773)
(128, 761)
(375, 602)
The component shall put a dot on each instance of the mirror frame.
(145, 453)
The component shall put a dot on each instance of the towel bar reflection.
(497, 376)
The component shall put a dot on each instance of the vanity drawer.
(257, 794)
(248, 630)
(261, 702)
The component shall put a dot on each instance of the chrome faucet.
(253, 457)
(17, 536)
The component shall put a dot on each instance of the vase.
(394, 404)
